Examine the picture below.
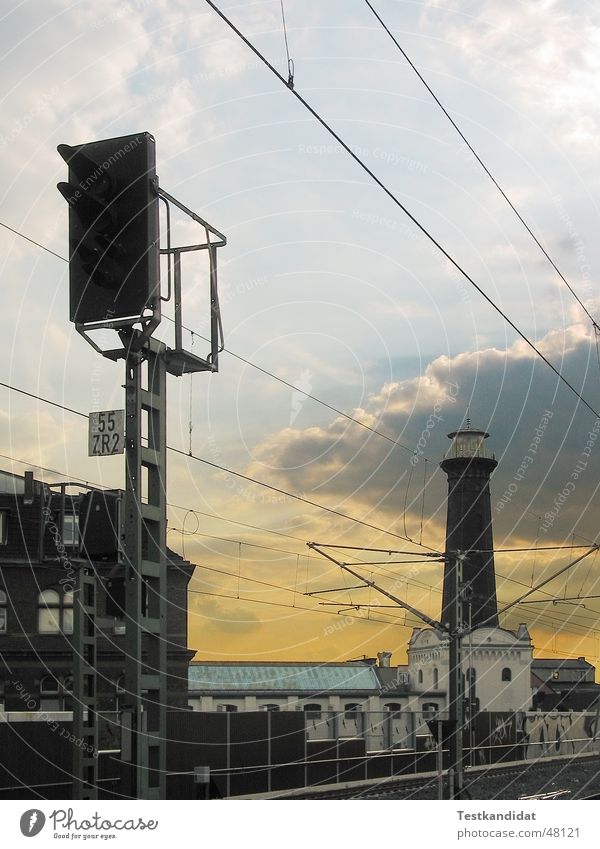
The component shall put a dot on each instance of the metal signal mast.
(114, 282)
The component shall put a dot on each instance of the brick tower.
(469, 525)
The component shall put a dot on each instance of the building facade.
(564, 684)
(496, 667)
(47, 534)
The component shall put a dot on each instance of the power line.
(308, 395)
(240, 542)
(543, 619)
(414, 581)
(401, 206)
(33, 242)
(237, 522)
(483, 165)
(242, 476)
(291, 607)
(210, 568)
(169, 503)
(293, 495)
(242, 359)
(45, 400)
(290, 63)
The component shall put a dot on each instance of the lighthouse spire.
(469, 526)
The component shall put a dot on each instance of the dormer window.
(70, 535)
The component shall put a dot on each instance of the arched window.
(436, 678)
(3, 613)
(50, 696)
(227, 708)
(48, 612)
(430, 707)
(420, 676)
(351, 710)
(313, 710)
(270, 707)
(55, 612)
(507, 674)
(56, 694)
(393, 707)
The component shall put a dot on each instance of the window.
(70, 534)
(3, 527)
(270, 707)
(507, 674)
(420, 676)
(393, 707)
(436, 678)
(430, 707)
(226, 708)
(3, 613)
(67, 693)
(351, 710)
(50, 696)
(56, 694)
(313, 711)
(55, 612)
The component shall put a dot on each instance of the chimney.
(384, 659)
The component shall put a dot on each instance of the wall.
(550, 734)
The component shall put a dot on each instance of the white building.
(496, 665)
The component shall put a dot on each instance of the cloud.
(549, 50)
(504, 391)
(218, 617)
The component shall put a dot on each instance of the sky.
(329, 286)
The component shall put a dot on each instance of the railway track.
(530, 781)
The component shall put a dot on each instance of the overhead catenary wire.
(32, 241)
(542, 619)
(247, 478)
(290, 63)
(321, 545)
(255, 366)
(296, 608)
(404, 209)
(484, 166)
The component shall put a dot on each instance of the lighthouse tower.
(469, 527)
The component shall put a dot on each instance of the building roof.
(541, 686)
(554, 663)
(393, 680)
(207, 676)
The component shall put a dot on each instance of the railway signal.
(112, 194)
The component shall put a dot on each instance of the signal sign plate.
(106, 433)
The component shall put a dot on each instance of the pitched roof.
(391, 680)
(283, 677)
(554, 663)
(540, 685)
